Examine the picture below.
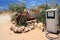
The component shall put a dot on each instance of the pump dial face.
(51, 14)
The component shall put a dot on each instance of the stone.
(40, 24)
(13, 22)
(26, 29)
(31, 27)
(12, 28)
(19, 30)
(35, 24)
(15, 29)
(23, 27)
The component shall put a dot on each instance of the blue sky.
(29, 3)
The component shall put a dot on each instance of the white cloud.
(20, 0)
(32, 2)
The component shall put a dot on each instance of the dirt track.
(6, 34)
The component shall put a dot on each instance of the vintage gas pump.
(52, 21)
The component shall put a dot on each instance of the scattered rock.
(13, 22)
(31, 27)
(40, 25)
(26, 29)
(23, 27)
(19, 30)
(15, 29)
(12, 27)
(35, 24)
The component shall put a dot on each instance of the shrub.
(21, 21)
(42, 16)
(13, 17)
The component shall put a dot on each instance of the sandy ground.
(7, 34)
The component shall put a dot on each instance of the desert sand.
(7, 34)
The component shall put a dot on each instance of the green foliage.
(47, 7)
(17, 7)
(42, 16)
(13, 17)
(22, 20)
(12, 7)
(44, 6)
(59, 11)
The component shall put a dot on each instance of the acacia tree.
(19, 8)
(12, 7)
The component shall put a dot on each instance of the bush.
(21, 21)
(42, 16)
(13, 17)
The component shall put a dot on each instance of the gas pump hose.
(51, 38)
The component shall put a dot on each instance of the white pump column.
(52, 20)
